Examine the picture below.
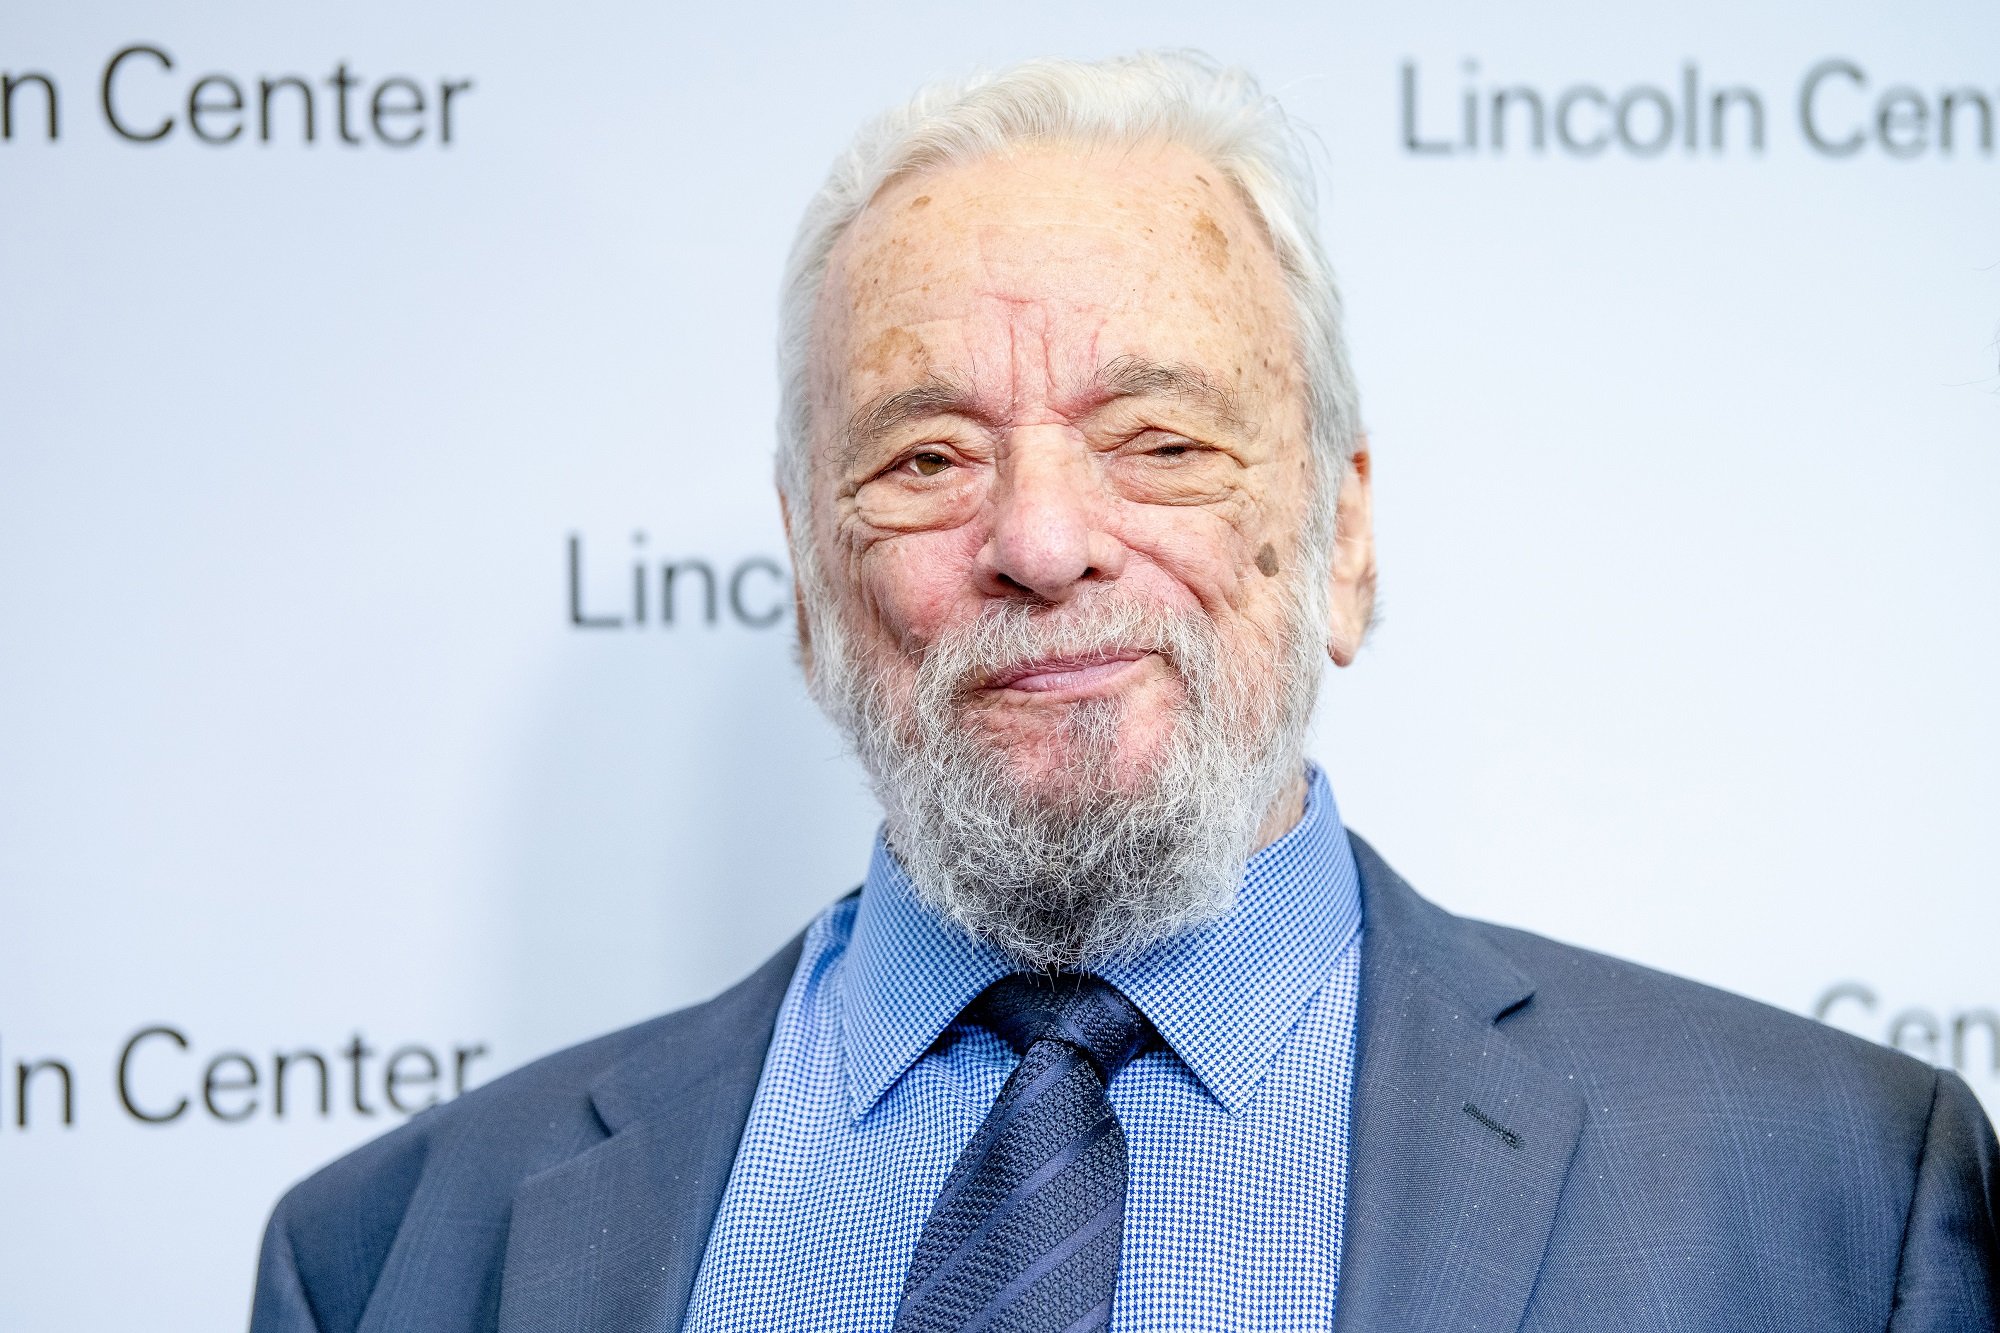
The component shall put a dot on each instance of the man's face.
(1060, 379)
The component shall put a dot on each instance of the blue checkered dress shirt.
(1237, 1127)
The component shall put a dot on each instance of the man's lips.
(1050, 675)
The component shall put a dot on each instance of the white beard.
(1069, 878)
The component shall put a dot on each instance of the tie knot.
(1085, 1012)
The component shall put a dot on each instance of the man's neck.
(1286, 811)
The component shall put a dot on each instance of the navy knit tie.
(1024, 1236)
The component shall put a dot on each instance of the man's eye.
(1171, 449)
(928, 464)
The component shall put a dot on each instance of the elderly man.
(1123, 1029)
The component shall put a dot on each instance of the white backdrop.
(1688, 461)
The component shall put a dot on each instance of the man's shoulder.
(1624, 1013)
(1692, 1069)
(338, 1225)
(1625, 1031)
(1738, 1148)
(446, 1180)
(546, 1099)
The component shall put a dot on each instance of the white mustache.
(1008, 637)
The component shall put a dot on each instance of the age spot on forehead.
(1267, 560)
(1209, 241)
(891, 347)
(921, 201)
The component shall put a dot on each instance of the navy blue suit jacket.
(1543, 1139)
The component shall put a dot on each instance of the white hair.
(1179, 97)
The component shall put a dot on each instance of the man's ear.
(798, 593)
(1353, 600)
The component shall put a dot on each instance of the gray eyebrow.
(1136, 377)
(934, 395)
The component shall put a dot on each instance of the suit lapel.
(1459, 1140)
(612, 1238)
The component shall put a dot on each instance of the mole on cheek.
(1267, 560)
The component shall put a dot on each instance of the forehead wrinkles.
(1007, 276)
(1028, 357)
(1018, 357)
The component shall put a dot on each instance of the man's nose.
(1047, 535)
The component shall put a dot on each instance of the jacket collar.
(1460, 1139)
(612, 1237)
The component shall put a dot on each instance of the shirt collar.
(1223, 996)
(905, 976)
